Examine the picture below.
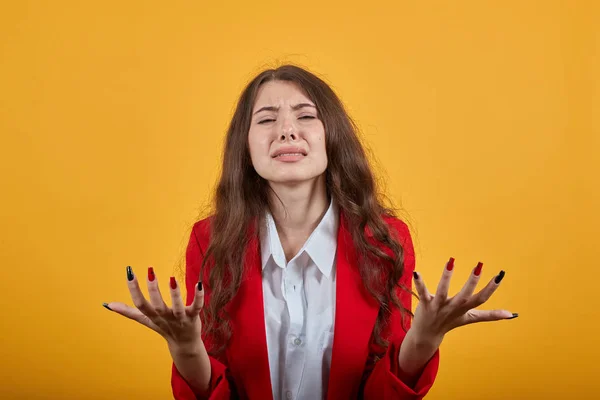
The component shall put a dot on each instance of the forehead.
(280, 93)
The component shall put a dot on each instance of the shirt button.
(297, 342)
(288, 395)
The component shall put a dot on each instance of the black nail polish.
(499, 277)
(415, 275)
(105, 305)
(200, 286)
(515, 315)
(129, 273)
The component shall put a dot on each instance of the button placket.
(294, 297)
(294, 352)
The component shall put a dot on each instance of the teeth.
(290, 154)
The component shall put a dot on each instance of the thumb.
(132, 313)
(475, 316)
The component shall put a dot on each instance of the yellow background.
(483, 116)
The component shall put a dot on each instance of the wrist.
(193, 364)
(415, 351)
(422, 340)
(192, 349)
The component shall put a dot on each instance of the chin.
(292, 177)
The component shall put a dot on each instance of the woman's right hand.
(180, 325)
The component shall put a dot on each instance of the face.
(286, 136)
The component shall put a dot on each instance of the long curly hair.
(242, 196)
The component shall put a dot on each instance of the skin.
(298, 202)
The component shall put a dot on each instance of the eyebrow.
(294, 108)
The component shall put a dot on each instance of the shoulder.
(398, 228)
(201, 232)
(396, 224)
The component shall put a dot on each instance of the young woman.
(299, 284)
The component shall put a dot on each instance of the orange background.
(483, 116)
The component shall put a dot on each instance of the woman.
(299, 284)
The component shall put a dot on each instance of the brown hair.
(242, 196)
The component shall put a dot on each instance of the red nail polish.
(478, 268)
(450, 264)
(173, 283)
(151, 275)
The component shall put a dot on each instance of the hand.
(437, 315)
(180, 325)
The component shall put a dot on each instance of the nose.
(288, 131)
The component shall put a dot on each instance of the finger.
(134, 314)
(156, 298)
(441, 293)
(422, 291)
(475, 316)
(176, 302)
(137, 296)
(470, 285)
(484, 294)
(198, 303)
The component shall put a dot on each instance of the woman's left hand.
(437, 315)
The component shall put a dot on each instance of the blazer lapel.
(355, 315)
(247, 352)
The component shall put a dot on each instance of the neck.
(297, 209)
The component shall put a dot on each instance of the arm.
(195, 374)
(414, 377)
(192, 367)
(410, 366)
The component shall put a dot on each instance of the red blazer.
(243, 370)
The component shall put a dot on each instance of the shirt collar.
(320, 246)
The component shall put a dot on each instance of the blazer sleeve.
(385, 380)
(219, 388)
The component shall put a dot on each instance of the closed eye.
(271, 120)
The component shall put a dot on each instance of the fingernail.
(450, 264)
(173, 283)
(151, 275)
(129, 273)
(499, 277)
(200, 286)
(415, 275)
(105, 305)
(478, 268)
(515, 315)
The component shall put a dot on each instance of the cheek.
(318, 148)
(258, 146)
(251, 147)
(319, 143)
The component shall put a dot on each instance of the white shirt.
(299, 304)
